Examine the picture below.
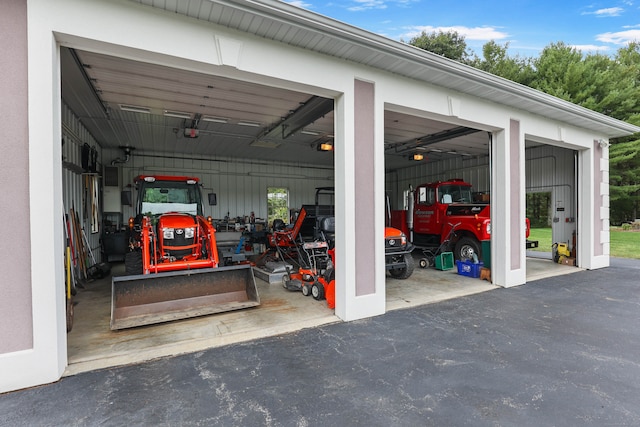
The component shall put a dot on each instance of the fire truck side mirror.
(213, 200)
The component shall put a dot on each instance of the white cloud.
(367, 4)
(590, 48)
(610, 11)
(475, 33)
(360, 5)
(299, 3)
(620, 37)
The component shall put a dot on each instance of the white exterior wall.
(168, 39)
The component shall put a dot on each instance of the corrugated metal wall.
(474, 170)
(74, 136)
(241, 187)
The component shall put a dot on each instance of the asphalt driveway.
(563, 351)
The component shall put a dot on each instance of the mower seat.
(278, 224)
(328, 229)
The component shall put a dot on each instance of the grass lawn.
(624, 244)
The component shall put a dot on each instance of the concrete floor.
(92, 345)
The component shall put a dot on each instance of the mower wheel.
(306, 290)
(424, 262)
(317, 291)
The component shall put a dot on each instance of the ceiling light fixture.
(417, 157)
(214, 119)
(277, 175)
(135, 109)
(325, 146)
(310, 132)
(250, 124)
(265, 144)
(177, 114)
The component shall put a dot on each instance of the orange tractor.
(173, 268)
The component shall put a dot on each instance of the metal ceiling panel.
(119, 81)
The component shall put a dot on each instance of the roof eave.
(519, 96)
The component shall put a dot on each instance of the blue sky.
(528, 26)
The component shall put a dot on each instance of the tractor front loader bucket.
(163, 297)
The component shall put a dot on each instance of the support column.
(359, 173)
(508, 250)
(593, 226)
(33, 347)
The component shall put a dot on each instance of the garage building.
(94, 93)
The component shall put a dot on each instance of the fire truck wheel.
(133, 263)
(466, 248)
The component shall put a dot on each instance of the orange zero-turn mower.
(313, 273)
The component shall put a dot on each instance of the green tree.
(557, 70)
(496, 60)
(624, 180)
(277, 204)
(449, 44)
(606, 84)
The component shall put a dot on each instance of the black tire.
(317, 291)
(465, 248)
(330, 275)
(306, 290)
(70, 312)
(424, 262)
(133, 263)
(406, 271)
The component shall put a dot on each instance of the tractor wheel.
(133, 263)
(406, 271)
(317, 291)
(306, 290)
(465, 248)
